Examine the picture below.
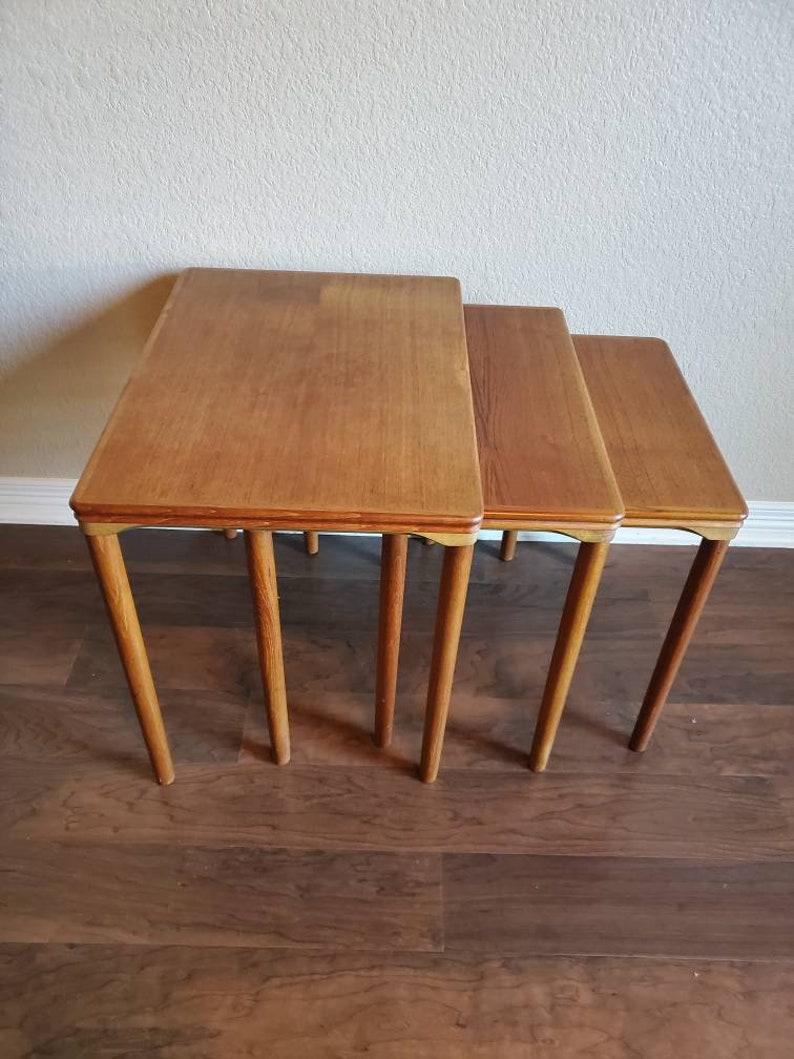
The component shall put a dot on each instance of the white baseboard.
(45, 502)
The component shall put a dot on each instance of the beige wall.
(624, 159)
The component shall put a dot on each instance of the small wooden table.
(289, 400)
(671, 474)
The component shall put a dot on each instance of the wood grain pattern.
(264, 589)
(684, 850)
(332, 730)
(112, 575)
(49, 725)
(573, 625)
(394, 555)
(353, 391)
(665, 459)
(618, 906)
(186, 895)
(373, 809)
(449, 619)
(542, 457)
(42, 655)
(212, 1003)
(312, 542)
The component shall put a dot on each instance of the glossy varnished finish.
(541, 454)
(295, 400)
(667, 464)
(215, 1003)
(619, 905)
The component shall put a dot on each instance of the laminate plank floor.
(618, 905)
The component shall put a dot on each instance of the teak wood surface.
(295, 400)
(542, 458)
(667, 464)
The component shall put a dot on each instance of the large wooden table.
(286, 400)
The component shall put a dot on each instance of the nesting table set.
(355, 403)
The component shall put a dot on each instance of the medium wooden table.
(290, 400)
(544, 467)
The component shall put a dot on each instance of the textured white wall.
(624, 159)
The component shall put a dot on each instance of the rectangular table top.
(542, 458)
(667, 464)
(295, 400)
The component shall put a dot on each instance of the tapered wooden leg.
(573, 625)
(449, 619)
(508, 549)
(109, 565)
(394, 553)
(690, 606)
(262, 573)
(312, 542)
(230, 533)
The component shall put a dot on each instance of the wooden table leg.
(109, 565)
(449, 619)
(262, 573)
(312, 542)
(573, 625)
(394, 553)
(508, 549)
(230, 533)
(690, 606)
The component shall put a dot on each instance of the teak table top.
(667, 464)
(295, 400)
(542, 459)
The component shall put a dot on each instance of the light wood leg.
(109, 565)
(394, 553)
(312, 542)
(230, 533)
(690, 606)
(449, 619)
(262, 573)
(508, 549)
(573, 625)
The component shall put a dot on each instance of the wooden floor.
(618, 905)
